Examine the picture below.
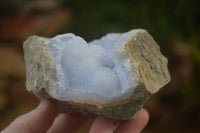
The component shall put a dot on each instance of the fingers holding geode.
(37, 121)
(103, 125)
(67, 123)
(135, 125)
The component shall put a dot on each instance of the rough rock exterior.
(143, 54)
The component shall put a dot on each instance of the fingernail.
(116, 124)
(42, 105)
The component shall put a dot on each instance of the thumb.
(38, 120)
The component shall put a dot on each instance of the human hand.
(42, 119)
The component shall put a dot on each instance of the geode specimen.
(112, 76)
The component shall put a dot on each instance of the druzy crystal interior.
(92, 69)
(112, 76)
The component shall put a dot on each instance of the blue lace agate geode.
(112, 76)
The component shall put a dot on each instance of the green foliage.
(166, 20)
(196, 55)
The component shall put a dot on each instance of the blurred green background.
(174, 24)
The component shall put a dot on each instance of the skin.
(43, 119)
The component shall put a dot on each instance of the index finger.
(37, 121)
